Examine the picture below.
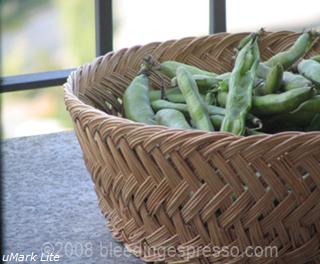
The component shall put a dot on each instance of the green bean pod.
(311, 105)
(287, 58)
(316, 58)
(163, 104)
(281, 103)
(292, 81)
(248, 38)
(213, 110)
(275, 103)
(196, 106)
(173, 95)
(176, 98)
(223, 84)
(171, 118)
(224, 76)
(263, 71)
(204, 82)
(218, 119)
(315, 123)
(310, 69)
(289, 121)
(222, 98)
(156, 94)
(244, 41)
(210, 98)
(158, 105)
(136, 101)
(239, 100)
(273, 81)
(169, 69)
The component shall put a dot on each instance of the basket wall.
(161, 187)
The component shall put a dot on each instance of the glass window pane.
(34, 112)
(251, 15)
(46, 35)
(143, 21)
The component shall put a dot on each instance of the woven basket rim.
(69, 93)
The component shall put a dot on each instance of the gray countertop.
(50, 205)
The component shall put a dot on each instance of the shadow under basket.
(177, 195)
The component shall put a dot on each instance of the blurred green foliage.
(14, 12)
(75, 22)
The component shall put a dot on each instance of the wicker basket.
(164, 188)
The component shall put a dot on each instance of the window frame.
(104, 44)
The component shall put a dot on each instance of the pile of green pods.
(280, 94)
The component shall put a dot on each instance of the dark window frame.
(104, 44)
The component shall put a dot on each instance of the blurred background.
(42, 35)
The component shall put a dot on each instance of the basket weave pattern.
(161, 187)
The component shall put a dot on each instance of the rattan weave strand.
(167, 188)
